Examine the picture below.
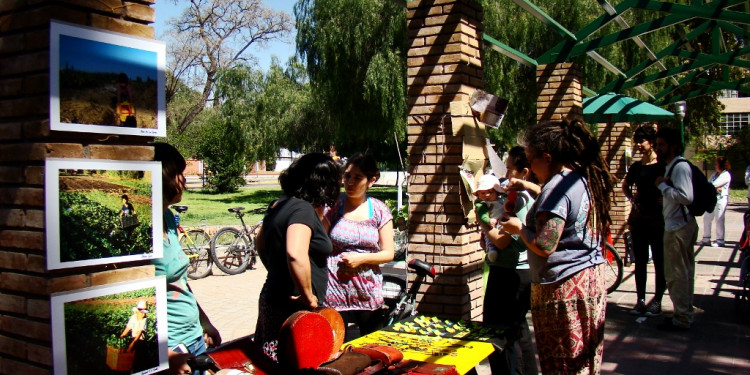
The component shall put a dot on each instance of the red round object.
(305, 341)
(337, 327)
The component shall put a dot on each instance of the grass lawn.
(213, 207)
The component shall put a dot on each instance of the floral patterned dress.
(360, 288)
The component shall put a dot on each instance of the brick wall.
(25, 142)
(444, 65)
(615, 139)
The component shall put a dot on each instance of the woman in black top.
(646, 220)
(293, 245)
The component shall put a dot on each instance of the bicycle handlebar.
(201, 363)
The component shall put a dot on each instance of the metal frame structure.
(714, 19)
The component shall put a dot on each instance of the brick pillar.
(25, 142)
(444, 65)
(615, 140)
(560, 94)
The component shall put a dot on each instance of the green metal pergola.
(715, 20)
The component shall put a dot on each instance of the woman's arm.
(210, 333)
(297, 246)
(543, 241)
(722, 181)
(517, 184)
(385, 254)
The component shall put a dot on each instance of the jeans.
(197, 348)
(645, 235)
(679, 270)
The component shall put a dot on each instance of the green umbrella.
(611, 108)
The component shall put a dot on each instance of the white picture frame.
(76, 325)
(86, 65)
(85, 196)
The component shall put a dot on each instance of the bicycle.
(233, 250)
(401, 303)
(195, 242)
(614, 267)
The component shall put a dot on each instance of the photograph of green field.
(104, 213)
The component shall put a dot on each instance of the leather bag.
(385, 354)
(348, 363)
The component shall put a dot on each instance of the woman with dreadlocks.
(563, 233)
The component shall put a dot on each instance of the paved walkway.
(718, 343)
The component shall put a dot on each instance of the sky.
(166, 9)
(92, 56)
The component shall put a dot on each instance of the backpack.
(704, 192)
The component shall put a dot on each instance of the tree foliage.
(508, 23)
(260, 112)
(355, 54)
(211, 35)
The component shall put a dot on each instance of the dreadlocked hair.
(572, 144)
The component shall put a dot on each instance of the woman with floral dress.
(361, 231)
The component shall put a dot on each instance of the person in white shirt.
(721, 179)
(747, 182)
(680, 229)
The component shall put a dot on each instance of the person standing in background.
(720, 179)
(646, 222)
(188, 324)
(294, 246)
(680, 229)
(508, 286)
(361, 231)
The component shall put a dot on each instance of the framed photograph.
(106, 82)
(111, 329)
(102, 211)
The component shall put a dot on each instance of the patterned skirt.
(568, 321)
(267, 328)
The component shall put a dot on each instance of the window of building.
(731, 123)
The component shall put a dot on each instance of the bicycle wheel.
(230, 251)
(196, 244)
(253, 252)
(614, 267)
(394, 290)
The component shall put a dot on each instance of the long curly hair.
(314, 178)
(571, 143)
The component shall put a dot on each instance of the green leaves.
(355, 53)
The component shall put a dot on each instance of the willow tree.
(355, 54)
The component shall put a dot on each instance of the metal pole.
(681, 113)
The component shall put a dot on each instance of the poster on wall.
(106, 82)
(102, 211)
(111, 329)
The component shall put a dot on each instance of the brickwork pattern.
(615, 140)
(444, 65)
(25, 142)
(560, 93)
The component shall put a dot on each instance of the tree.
(260, 113)
(355, 54)
(211, 35)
